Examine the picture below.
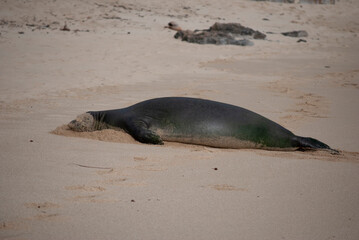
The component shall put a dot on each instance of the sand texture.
(59, 59)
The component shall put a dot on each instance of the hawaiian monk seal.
(196, 121)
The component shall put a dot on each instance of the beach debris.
(302, 40)
(100, 5)
(318, 1)
(65, 28)
(300, 33)
(218, 33)
(115, 17)
(217, 38)
(79, 30)
(35, 26)
(87, 166)
(139, 158)
(236, 28)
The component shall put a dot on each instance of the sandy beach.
(59, 59)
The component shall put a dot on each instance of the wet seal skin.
(196, 121)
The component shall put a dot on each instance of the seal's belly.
(209, 138)
(222, 142)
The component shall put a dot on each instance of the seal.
(196, 121)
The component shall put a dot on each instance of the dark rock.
(300, 33)
(236, 28)
(207, 37)
(301, 40)
(219, 34)
(318, 1)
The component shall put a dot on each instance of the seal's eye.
(170, 24)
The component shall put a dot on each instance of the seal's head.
(82, 123)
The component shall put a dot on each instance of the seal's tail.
(310, 143)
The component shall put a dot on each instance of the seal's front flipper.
(139, 131)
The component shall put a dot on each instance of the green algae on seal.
(196, 121)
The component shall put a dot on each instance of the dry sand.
(117, 53)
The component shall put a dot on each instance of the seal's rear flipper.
(307, 143)
(141, 133)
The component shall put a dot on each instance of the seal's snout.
(83, 123)
(75, 126)
(72, 124)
